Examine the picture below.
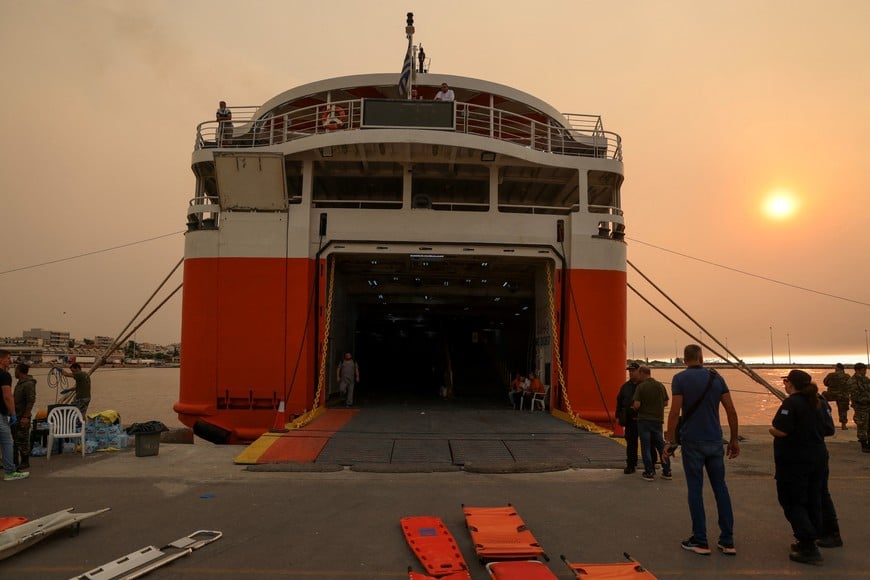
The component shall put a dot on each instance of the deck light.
(618, 232)
(326, 151)
(487, 156)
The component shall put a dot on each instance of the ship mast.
(408, 65)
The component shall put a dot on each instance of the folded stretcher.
(499, 533)
(630, 570)
(523, 570)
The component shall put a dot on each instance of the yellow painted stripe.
(255, 450)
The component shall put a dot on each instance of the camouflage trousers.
(842, 405)
(21, 438)
(862, 417)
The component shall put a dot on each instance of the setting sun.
(780, 205)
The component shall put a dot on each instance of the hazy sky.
(719, 103)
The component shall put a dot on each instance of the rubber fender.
(211, 433)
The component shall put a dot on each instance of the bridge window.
(450, 187)
(357, 184)
(536, 189)
(603, 191)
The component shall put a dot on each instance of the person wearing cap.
(838, 390)
(627, 416)
(859, 392)
(701, 438)
(801, 457)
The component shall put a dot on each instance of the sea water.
(148, 394)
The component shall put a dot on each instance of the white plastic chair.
(540, 399)
(65, 423)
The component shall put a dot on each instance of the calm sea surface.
(146, 394)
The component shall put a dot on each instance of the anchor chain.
(575, 420)
(324, 352)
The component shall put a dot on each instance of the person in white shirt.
(445, 94)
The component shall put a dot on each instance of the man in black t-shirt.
(7, 419)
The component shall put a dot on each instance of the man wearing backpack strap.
(701, 438)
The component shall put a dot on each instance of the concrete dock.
(340, 521)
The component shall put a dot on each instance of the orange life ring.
(333, 118)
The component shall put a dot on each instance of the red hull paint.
(594, 359)
(245, 347)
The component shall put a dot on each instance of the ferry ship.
(446, 244)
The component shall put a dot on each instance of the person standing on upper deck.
(445, 94)
(224, 117)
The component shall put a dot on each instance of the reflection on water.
(755, 404)
(141, 394)
(148, 394)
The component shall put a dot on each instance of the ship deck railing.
(584, 136)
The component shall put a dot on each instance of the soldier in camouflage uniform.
(24, 397)
(838, 390)
(859, 390)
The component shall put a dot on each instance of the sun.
(780, 204)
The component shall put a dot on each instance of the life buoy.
(333, 118)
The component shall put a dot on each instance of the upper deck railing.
(584, 137)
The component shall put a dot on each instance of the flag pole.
(409, 32)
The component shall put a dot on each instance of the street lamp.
(645, 358)
(772, 361)
(788, 343)
(867, 345)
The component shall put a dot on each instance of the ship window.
(451, 187)
(357, 184)
(603, 191)
(293, 172)
(538, 189)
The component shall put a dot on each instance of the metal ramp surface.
(461, 437)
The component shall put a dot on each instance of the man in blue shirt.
(701, 438)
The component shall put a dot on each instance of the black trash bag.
(147, 427)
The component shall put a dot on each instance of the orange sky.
(718, 103)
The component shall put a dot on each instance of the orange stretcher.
(11, 522)
(631, 570)
(434, 546)
(499, 533)
(522, 570)
(455, 576)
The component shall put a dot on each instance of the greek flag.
(405, 78)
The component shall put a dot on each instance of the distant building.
(50, 338)
(103, 342)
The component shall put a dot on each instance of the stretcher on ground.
(435, 547)
(630, 570)
(499, 533)
(454, 576)
(137, 564)
(520, 570)
(24, 535)
(11, 522)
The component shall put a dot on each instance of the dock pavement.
(343, 521)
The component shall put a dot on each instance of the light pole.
(788, 343)
(772, 361)
(867, 345)
(645, 358)
(632, 351)
(675, 348)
